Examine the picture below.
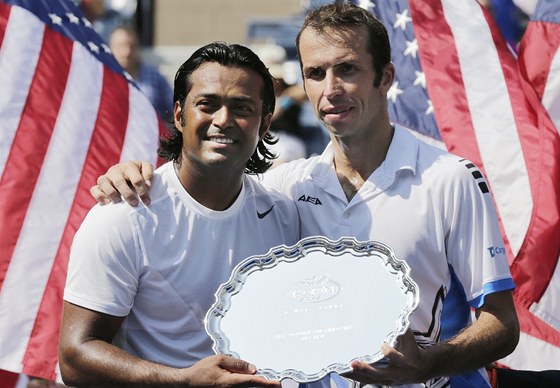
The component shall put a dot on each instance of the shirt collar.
(402, 155)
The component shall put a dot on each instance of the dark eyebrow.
(350, 61)
(235, 99)
(210, 96)
(244, 100)
(311, 68)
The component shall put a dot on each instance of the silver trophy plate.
(304, 311)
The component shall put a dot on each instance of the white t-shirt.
(433, 208)
(161, 265)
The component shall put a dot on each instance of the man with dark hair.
(141, 280)
(172, 147)
(376, 181)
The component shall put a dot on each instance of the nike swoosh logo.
(263, 215)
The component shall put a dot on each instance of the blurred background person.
(125, 46)
(114, 21)
(285, 121)
(106, 15)
(298, 132)
(286, 124)
(92, 9)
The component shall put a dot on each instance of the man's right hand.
(223, 371)
(128, 180)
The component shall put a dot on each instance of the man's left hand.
(406, 364)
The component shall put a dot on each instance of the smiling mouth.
(221, 140)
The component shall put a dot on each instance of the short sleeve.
(475, 247)
(105, 263)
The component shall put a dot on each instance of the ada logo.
(308, 198)
(496, 251)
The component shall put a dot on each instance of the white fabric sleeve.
(105, 263)
(274, 178)
(475, 248)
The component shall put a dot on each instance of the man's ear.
(265, 125)
(387, 77)
(178, 116)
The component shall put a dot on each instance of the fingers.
(387, 350)
(243, 369)
(236, 365)
(393, 355)
(359, 368)
(377, 373)
(137, 177)
(232, 372)
(366, 373)
(147, 170)
(404, 351)
(143, 186)
(113, 188)
(129, 181)
(401, 364)
(240, 380)
(99, 195)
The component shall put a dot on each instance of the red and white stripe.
(65, 119)
(486, 114)
(539, 64)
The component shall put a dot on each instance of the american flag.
(458, 85)
(67, 113)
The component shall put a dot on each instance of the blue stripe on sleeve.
(489, 288)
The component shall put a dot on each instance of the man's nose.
(332, 85)
(223, 117)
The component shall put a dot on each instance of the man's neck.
(356, 159)
(216, 190)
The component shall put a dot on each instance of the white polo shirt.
(433, 208)
(160, 265)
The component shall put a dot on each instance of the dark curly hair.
(233, 55)
(343, 16)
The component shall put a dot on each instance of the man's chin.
(336, 128)
(221, 161)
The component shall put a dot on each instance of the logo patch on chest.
(264, 214)
(310, 199)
